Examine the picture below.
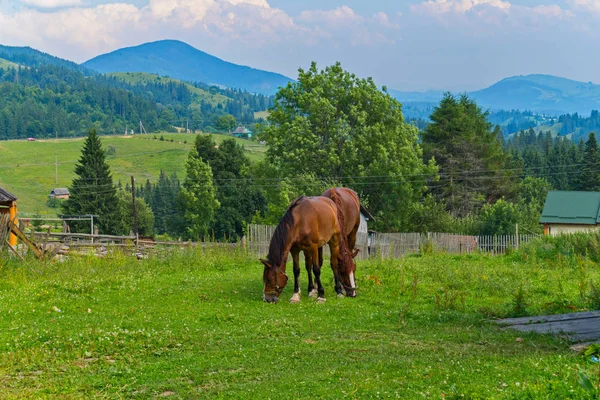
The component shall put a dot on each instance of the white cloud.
(585, 5)
(52, 3)
(436, 7)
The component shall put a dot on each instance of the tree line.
(331, 128)
(49, 100)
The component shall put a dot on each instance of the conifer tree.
(590, 174)
(93, 191)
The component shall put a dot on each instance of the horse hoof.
(340, 296)
(313, 293)
(321, 300)
(295, 298)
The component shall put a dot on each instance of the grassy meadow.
(197, 94)
(193, 325)
(27, 169)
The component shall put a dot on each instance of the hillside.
(539, 93)
(181, 61)
(7, 64)
(33, 58)
(27, 169)
(144, 78)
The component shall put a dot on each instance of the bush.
(571, 245)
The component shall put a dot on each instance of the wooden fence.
(4, 230)
(395, 245)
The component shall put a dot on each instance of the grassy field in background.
(27, 169)
(7, 64)
(197, 93)
(193, 325)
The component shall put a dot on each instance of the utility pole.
(135, 219)
(56, 159)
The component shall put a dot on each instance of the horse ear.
(355, 252)
(265, 262)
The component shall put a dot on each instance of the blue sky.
(406, 45)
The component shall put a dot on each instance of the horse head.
(347, 273)
(275, 280)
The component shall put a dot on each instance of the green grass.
(27, 169)
(261, 114)
(5, 64)
(193, 325)
(197, 93)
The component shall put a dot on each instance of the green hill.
(198, 94)
(27, 169)
(7, 64)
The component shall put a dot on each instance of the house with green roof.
(569, 212)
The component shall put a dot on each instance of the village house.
(570, 212)
(59, 193)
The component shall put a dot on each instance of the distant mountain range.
(544, 94)
(181, 61)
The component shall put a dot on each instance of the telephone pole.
(135, 219)
(56, 159)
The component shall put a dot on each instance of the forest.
(51, 100)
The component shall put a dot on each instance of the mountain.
(181, 61)
(539, 93)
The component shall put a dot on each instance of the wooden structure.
(388, 246)
(59, 193)
(570, 212)
(576, 327)
(8, 206)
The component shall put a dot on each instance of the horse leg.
(311, 286)
(335, 254)
(296, 259)
(317, 272)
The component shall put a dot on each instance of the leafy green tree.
(225, 123)
(499, 218)
(333, 125)
(93, 191)
(198, 198)
(126, 223)
(471, 160)
(238, 195)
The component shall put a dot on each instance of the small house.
(59, 193)
(365, 217)
(242, 132)
(8, 206)
(569, 212)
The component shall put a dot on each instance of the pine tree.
(471, 160)
(93, 191)
(589, 179)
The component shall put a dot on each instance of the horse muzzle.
(270, 298)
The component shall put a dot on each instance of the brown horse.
(308, 224)
(347, 201)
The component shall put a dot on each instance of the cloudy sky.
(404, 44)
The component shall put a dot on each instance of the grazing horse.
(308, 224)
(347, 201)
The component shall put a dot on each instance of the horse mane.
(344, 250)
(277, 244)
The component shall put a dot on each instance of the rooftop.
(581, 208)
(6, 196)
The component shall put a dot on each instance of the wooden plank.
(548, 318)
